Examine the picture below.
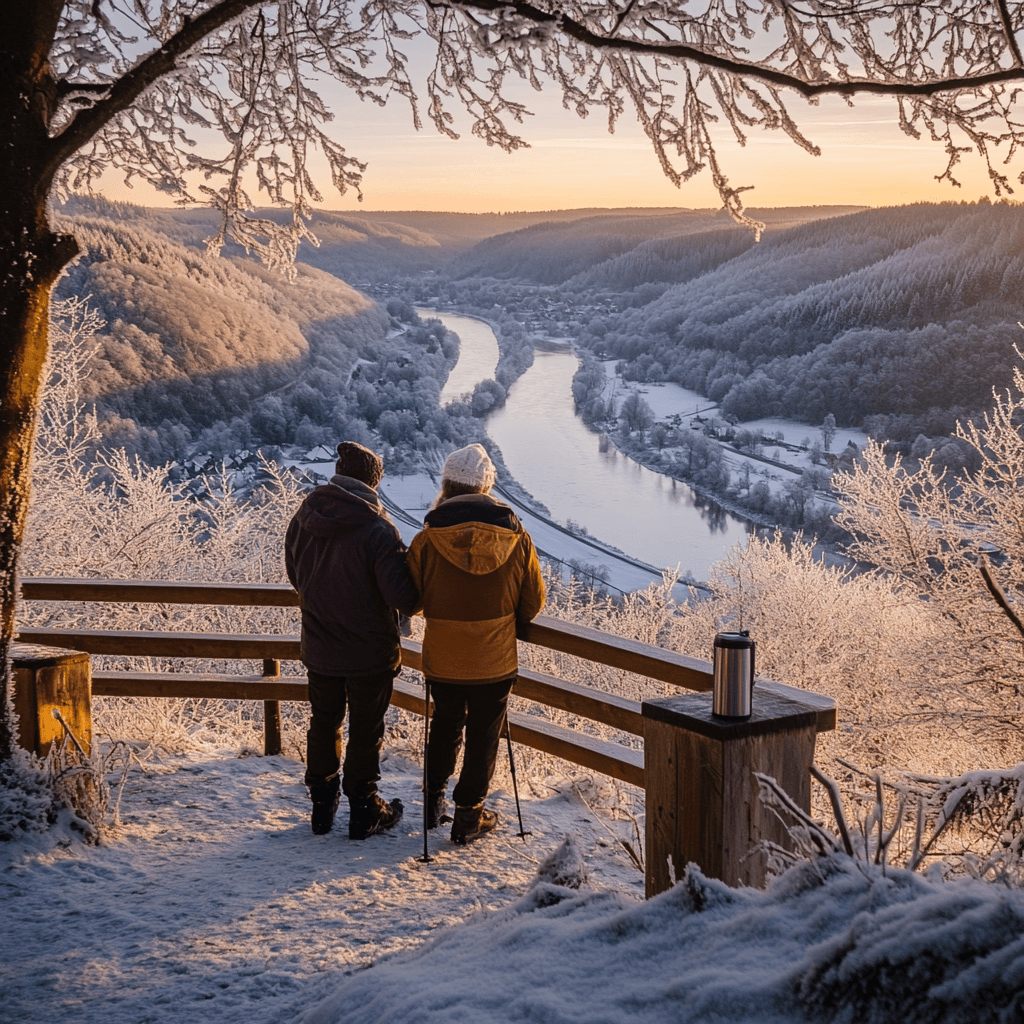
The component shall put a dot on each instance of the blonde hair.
(452, 489)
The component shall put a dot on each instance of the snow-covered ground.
(827, 943)
(213, 903)
(667, 400)
(795, 432)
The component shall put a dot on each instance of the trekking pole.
(426, 858)
(522, 833)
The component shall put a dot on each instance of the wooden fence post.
(271, 713)
(48, 679)
(702, 797)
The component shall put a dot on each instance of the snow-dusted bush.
(970, 825)
(934, 544)
(26, 800)
(102, 514)
(827, 942)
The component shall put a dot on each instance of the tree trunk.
(31, 259)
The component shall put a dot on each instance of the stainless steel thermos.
(733, 692)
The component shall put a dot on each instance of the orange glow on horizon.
(574, 164)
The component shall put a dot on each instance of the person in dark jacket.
(347, 561)
(478, 576)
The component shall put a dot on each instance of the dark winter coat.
(346, 559)
(477, 571)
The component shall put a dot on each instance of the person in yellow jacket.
(478, 575)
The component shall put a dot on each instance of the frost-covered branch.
(147, 91)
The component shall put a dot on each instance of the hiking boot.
(436, 808)
(470, 823)
(325, 804)
(368, 817)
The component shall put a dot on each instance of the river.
(553, 454)
(478, 355)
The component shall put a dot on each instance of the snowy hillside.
(905, 311)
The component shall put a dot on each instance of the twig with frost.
(624, 843)
(997, 592)
(90, 797)
(832, 789)
(811, 837)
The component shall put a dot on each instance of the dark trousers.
(367, 698)
(479, 708)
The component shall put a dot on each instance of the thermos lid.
(740, 640)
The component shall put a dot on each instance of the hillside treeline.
(218, 354)
(619, 249)
(898, 318)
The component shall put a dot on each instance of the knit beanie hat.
(356, 461)
(472, 466)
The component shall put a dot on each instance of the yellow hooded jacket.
(477, 573)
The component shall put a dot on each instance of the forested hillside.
(609, 246)
(900, 318)
(218, 354)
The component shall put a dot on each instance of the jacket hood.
(342, 505)
(474, 532)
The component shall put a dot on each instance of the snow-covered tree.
(955, 552)
(635, 413)
(828, 431)
(146, 86)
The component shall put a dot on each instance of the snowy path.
(214, 902)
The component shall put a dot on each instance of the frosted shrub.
(26, 801)
(89, 784)
(932, 540)
(902, 689)
(103, 514)
(971, 824)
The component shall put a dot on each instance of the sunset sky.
(573, 163)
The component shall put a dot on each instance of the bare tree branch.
(125, 91)
(1011, 39)
(680, 51)
(997, 592)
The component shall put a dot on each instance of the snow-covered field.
(667, 400)
(213, 902)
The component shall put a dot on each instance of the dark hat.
(356, 461)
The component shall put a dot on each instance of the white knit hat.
(472, 466)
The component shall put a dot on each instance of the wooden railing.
(609, 758)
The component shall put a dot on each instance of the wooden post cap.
(692, 711)
(49, 679)
(40, 656)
